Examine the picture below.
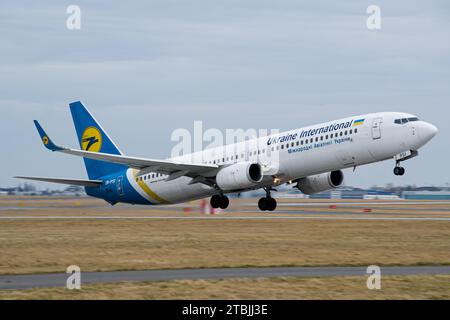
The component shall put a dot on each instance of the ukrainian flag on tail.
(358, 122)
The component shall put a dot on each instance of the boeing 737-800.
(310, 158)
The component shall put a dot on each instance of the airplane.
(310, 158)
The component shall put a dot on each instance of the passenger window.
(287, 145)
(351, 131)
(356, 130)
(326, 137)
(321, 138)
(345, 132)
(341, 133)
(282, 146)
(298, 143)
(317, 139)
(292, 144)
(278, 147)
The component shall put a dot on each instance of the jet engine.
(239, 176)
(320, 182)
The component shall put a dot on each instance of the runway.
(59, 279)
(223, 217)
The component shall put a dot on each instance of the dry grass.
(392, 287)
(30, 246)
(41, 246)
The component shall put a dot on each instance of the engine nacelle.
(239, 176)
(320, 182)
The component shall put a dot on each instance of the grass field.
(50, 245)
(392, 287)
(30, 246)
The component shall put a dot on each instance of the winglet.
(48, 143)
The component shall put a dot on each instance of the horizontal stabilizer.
(75, 182)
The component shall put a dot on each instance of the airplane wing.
(173, 169)
(74, 182)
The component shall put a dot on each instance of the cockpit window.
(405, 120)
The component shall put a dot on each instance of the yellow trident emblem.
(45, 140)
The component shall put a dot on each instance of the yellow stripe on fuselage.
(147, 190)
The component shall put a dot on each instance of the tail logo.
(45, 140)
(91, 140)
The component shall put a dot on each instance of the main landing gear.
(267, 203)
(399, 170)
(219, 201)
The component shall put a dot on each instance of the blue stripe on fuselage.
(110, 190)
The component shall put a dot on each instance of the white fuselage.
(298, 153)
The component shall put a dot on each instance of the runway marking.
(10, 282)
(292, 204)
(220, 218)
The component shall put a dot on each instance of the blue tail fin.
(92, 137)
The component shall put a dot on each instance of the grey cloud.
(148, 67)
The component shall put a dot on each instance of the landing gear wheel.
(267, 204)
(215, 201)
(218, 201)
(224, 202)
(272, 204)
(262, 204)
(399, 171)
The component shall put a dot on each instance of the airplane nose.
(428, 131)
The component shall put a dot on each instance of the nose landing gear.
(267, 203)
(406, 155)
(398, 170)
(219, 201)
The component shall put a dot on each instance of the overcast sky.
(145, 68)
